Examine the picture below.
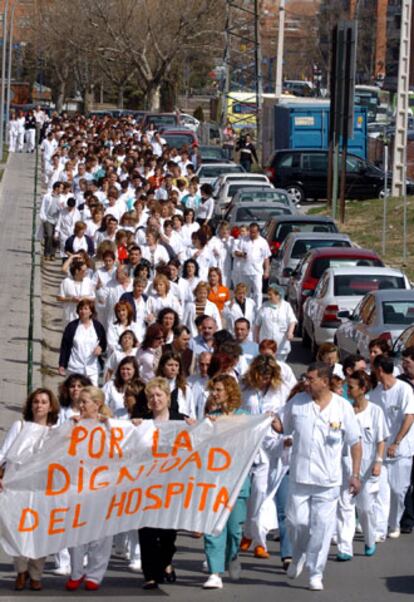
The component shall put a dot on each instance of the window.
(352, 286)
(286, 160)
(354, 165)
(315, 162)
(244, 108)
(258, 213)
(322, 263)
(301, 247)
(398, 312)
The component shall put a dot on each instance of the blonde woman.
(92, 407)
(201, 306)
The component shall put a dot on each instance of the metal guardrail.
(29, 379)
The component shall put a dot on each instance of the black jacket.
(89, 241)
(68, 336)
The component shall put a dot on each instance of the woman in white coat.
(162, 297)
(374, 432)
(126, 376)
(265, 390)
(275, 320)
(41, 408)
(201, 306)
(241, 306)
(98, 552)
(13, 132)
(170, 367)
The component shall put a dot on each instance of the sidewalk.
(16, 202)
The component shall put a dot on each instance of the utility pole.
(3, 76)
(10, 63)
(280, 49)
(401, 123)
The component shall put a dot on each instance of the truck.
(304, 123)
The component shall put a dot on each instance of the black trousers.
(157, 551)
(407, 519)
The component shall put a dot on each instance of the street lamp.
(9, 66)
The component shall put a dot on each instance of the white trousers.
(19, 141)
(254, 526)
(31, 565)
(62, 559)
(30, 140)
(12, 141)
(311, 519)
(394, 483)
(99, 553)
(365, 503)
(255, 284)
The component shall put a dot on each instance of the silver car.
(382, 313)
(277, 195)
(295, 246)
(209, 172)
(245, 214)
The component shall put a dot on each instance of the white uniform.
(72, 288)
(273, 321)
(251, 266)
(82, 359)
(396, 403)
(373, 430)
(210, 309)
(232, 312)
(315, 473)
(257, 524)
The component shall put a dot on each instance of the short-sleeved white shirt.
(274, 322)
(373, 430)
(318, 438)
(396, 402)
(257, 251)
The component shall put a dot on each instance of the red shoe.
(91, 586)
(73, 584)
(261, 552)
(245, 544)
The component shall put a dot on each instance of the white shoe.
(315, 584)
(379, 538)
(135, 566)
(213, 582)
(235, 569)
(394, 534)
(295, 569)
(62, 570)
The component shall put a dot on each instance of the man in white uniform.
(321, 422)
(255, 252)
(396, 398)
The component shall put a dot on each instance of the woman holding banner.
(158, 545)
(92, 407)
(222, 550)
(42, 408)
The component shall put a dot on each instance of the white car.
(259, 178)
(189, 121)
(340, 290)
(230, 188)
(209, 172)
(382, 313)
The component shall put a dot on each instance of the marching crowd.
(164, 319)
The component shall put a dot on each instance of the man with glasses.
(321, 423)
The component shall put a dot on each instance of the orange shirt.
(219, 297)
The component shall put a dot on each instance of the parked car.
(303, 173)
(161, 120)
(189, 121)
(231, 187)
(294, 248)
(224, 178)
(307, 274)
(276, 229)
(339, 290)
(276, 195)
(178, 137)
(406, 339)
(243, 214)
(381, 313)
(212, 153)
(209, 172)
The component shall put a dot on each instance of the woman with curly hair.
(266, 390)
(150, 352)
(168, 320)
(171, 368)
(41, 408)
(222, 550)
(69, 395)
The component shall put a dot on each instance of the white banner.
(77, 483)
